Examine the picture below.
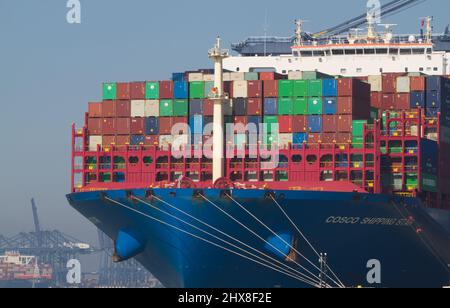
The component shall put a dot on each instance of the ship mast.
(217, 55)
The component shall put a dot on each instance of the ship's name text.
(377, 221)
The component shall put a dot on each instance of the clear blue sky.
(49, 70)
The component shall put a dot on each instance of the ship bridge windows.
(418, 51)
(319, 53)
(359, 51)
(369, 51)
(393, 51)
(306, 53)
(338, 52)
(381, 51)
(350, 52)
(405, 51)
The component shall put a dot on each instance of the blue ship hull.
(413, 249)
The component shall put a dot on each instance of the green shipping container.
(269, 121)
(300, 106)
(197, 90)
(166, 108)
(181, 108)
(109, 91)
(429, 182)
(357, 142)
(315, 88)
(315, 106)
(411, 181)
(208, 87)
(311, 75)
(152, 90)
(358, 128)
(301, 88)
(285, 106)
(285, 88)
(251, 76)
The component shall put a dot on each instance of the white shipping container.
(208, 77)
(284, 140)
(94, 141)
(237, 76)
(195, 77)
(152, 108)
(138, 108)
(403, 85)
(376, 83)
(295, 75)
(240, 89)
(226, 76)
(165, 141)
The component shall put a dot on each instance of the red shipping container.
(122, 140)
(329, 138)
(375, 99)
(418, 84)
(208, 107)
(285, 124)
(389, 83)
(95, 126)
(95, 110)
(123, 90)
(271, 88)
(165, 126)
(353, 87)
(270, 76)
(228, 88)
(299, 124)
(123, 126)
(402, 101)
(241, 120)
(345, 105)
(123, 108)
(254, 106)
(255, 89)
(151, 140)
(166, 89)
(137, 126)
(109, 126)
(137, 90)
(388, 101)
(344, 123)
(343, 138)
(108, 140)
(182, 125)
(109, 109)
(359, 108)
(329, 123)
(314, 138)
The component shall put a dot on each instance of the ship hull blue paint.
(339, 224)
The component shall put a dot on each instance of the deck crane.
(386, 10)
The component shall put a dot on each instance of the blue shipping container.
(432, 112)
(137, 139)
(256, 121)
(434, 99)
(195, 107)
(330, 87)
(445, 116)
(418, 99)
(181, 90)
(196, 124)
(315, 124)
(330, 105)
(270, 106)
(300, 138)
(178, 77)
(152, 126)
(429, 163)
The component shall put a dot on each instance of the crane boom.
(37, 227)
(386, 10)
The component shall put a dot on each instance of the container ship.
(323, 168)
(19, 271)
